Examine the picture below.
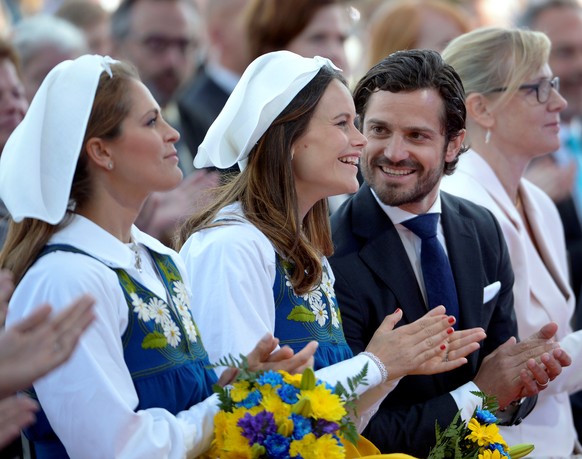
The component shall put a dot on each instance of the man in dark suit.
(411, 109)
(227, 57)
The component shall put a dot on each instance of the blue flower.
(257, 428)
(270, 377)
(288, 393)
(485, 417)
(252, 400)
(498, 447)
(277, 446)
(301, 426)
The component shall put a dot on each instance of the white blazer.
(541, 291)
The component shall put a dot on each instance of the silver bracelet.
(379, 364)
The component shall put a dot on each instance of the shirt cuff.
(465, 400)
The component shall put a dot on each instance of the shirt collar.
(397, 215)
(89, 237)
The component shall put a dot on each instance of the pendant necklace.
(137, 258)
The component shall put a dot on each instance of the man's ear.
(479, 109)
(99, 153)
(454, 146)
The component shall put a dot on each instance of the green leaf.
(154, 340)
(301, 314)
(307, 379)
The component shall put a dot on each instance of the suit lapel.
(385, 255)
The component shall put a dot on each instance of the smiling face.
(144, 157)
(524, 114)
(407, 150)
(325, 158)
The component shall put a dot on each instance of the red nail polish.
(397, 310)
(451, 320)
(450, 331)
(443, 347)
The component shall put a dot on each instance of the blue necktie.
(436, 270)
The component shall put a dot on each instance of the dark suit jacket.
(199, 104)
(374, 277)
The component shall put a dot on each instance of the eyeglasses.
(158, 45)
(543, 88)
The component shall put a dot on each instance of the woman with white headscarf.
(256, 257)
(74, 175)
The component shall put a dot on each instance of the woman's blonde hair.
(494, 57)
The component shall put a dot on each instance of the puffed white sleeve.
(90, 400)
(231, 271)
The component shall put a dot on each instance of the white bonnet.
(266, 87)
(39, 159)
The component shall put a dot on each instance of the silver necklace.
(137, 258)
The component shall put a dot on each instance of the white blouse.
(90, 399)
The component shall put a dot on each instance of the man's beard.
(396, 195)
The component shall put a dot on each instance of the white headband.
(266, 87)
(39, 159)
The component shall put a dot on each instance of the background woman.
(74, 176)
(513, 116)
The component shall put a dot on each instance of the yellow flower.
(240, 391)
(488, 454)
(294, 380)
(230, 438)
(303, 447)
(484, 435)
(310, 447)
(324, 404)
(272, 402)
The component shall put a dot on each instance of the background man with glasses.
(162, 39)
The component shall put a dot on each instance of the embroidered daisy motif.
(181, 292)
(184, 311)
(191, 330)
(327, 285)
(159, 311)
(172, 333)
(320, 312)
(140, 308)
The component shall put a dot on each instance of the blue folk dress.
(314, 316)
(162, 348)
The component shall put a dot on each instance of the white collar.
(397, 215)
(86, 235)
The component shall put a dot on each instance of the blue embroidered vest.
(161, 345)
(314, 316)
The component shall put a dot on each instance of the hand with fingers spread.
(264, 356)
(39, 343)
(516, 370)
(421, 347)
(16, 413)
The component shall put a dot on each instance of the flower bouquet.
(278, 415)
(479, 439)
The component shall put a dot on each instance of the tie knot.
(424, 226)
